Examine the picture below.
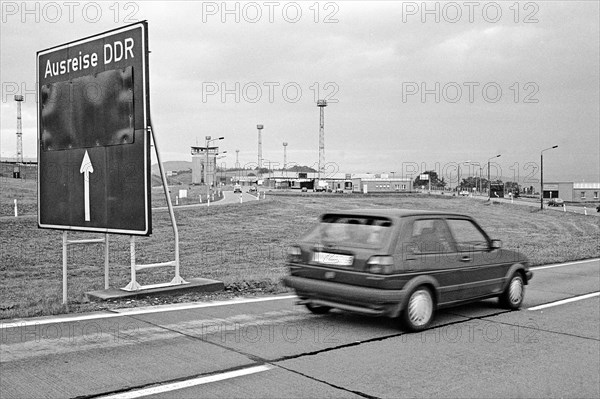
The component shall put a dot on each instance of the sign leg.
(106, 286)
(133, 285)
(64, 281)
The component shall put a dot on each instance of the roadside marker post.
(584, 210)
(16, 210)
(564, 208)
(176, 200)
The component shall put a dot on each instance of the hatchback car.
(402, 263)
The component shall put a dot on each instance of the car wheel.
(513, 295)
(420, 308)
(316, 309)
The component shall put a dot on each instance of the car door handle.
(466, 259)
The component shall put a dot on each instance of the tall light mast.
(260, 128)
(19, 100)
(285, 155)
(321, 104)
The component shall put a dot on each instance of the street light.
(542, 175)
(489, 181)
(208, 141)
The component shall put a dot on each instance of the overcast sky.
(407, 87)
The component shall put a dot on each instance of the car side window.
(431, 236)
(467, 235)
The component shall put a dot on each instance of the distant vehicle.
(321, 186)
(237, 189)
(556, 202)
(304, 189)
(464, 193)
(252, 189)
(402, 263)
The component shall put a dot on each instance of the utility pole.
(542, 175)
(285, 144)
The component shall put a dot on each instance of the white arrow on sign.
(87, 168)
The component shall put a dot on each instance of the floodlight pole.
(542, 175)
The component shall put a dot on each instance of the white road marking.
(138, 311)
(564, 264)
(188, 383)
(563, 301)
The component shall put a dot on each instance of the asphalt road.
(270, 348)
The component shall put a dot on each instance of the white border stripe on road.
(135, 311)
(564, 264)
(167, 308)
(187, 384)
(563, 301)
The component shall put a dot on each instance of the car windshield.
(353, 231)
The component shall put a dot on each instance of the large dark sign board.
(93, 139)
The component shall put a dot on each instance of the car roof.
(393, 212)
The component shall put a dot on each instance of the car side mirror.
(496, 244)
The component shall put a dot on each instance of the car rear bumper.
(349, 297)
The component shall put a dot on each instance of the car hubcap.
(420, 307)
(516, 290)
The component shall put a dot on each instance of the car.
(404, 264)
(556, 202)
(237, 189)
(304, 189)
(252, 189)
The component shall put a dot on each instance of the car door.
(427, 248)
(481, 274)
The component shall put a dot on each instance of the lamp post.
(489, 181)
(208, 141)
(542, 175)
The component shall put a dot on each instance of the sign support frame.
(177, 280)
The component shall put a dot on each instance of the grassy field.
(243, 245)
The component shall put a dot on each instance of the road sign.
(94, 144)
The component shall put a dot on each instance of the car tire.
(420, 309)
(316, 309)
(513, 295)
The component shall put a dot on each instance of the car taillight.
(381, 264)
(294, 254)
